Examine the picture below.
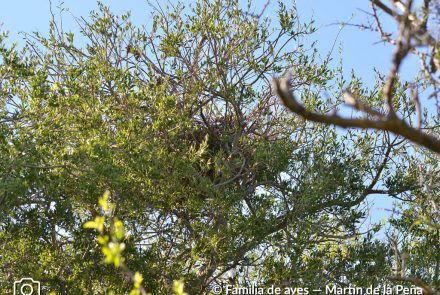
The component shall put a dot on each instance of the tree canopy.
(208, 179)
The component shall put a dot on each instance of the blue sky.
(361, 49)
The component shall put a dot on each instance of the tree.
(215, 182)
(399, 110)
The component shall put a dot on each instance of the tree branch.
(386, 123)
(427, 290)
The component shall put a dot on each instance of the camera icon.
(26, 286)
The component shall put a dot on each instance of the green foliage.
(211, 179)
(112, 246)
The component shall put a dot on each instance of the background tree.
(408, 109)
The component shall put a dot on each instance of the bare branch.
(390, 123)
(411, 35)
